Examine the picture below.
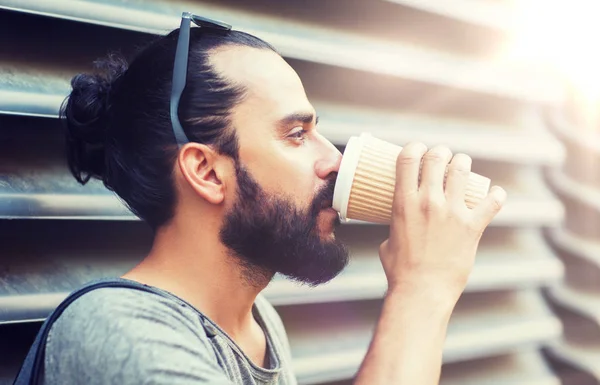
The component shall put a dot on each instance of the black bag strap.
(30, 371)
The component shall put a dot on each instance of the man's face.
(281, 218)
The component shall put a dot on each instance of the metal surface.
(29, 95)
(316, 44)
(491, 14)
(506, 260)
(483, 325)
(577, 243)
(409, 71)
(519, 368)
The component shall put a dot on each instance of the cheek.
(288, 172)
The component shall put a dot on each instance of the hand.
(433, 234)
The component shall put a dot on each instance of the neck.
(191, 262)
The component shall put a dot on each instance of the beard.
(268, 234)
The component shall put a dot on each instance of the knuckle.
(407, 159)
(496, 205)
(399, 208)
(438, 154)
(431, 204)
(461, 172)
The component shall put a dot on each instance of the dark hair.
(118, 127)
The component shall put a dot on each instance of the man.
(237, 182)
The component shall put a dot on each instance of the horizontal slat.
(319, 44)
(505, 259)
(522, 368)
(45, 189)
(59, 256)
(529, 203)
(586, 304)
(492, 14)
(378, 100)
(582, 258)
(584, 248)
(482, 325)
(574, 365)
(28, 308)
(562, 183)
(339, 122)
(29, 104)
(63, 206)
(583, 149)
(519, 211)
(384, 20)
(581, 203)
(579, 349)
(586, 135)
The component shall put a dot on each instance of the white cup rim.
(343, 183)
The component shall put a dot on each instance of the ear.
(199, 165)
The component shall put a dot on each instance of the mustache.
(324, 197)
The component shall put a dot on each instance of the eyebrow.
(303, 117)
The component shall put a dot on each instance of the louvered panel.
(318, 44)
(522, 368)
(42, 274)
(23, 93)
(380, 66)
(581, 256)
(506, 259)
(579, 351)
(577, 300)
(583, 147)
(493, 14)
(31, 188)
(331, 347)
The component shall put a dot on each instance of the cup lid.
(343, 183)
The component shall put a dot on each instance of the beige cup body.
(372, 191)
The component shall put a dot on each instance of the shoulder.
(104, 311)
(111, 335)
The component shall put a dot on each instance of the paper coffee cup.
(364, 189)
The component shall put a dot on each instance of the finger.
(434, 170)
(457, 178)
(407, 169)
(487, 209)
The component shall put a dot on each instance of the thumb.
(487, 209)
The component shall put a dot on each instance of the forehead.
(274, 89)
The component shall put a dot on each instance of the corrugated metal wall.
(403, 70)
(577, 242)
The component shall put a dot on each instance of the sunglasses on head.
(181, 65)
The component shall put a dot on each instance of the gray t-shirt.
(123, 336)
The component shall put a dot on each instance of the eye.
(298, 135)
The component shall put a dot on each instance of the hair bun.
(86, 113)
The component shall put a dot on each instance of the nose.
(329, 163)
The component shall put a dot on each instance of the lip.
(327, 205)
(329, 210)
